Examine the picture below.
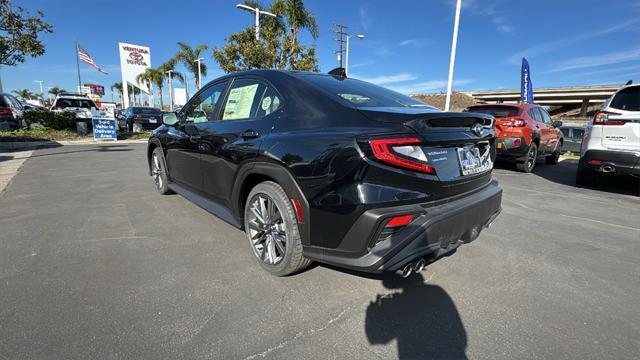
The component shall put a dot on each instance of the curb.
(15, 145)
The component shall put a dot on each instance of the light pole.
(452, 61)
(168, 72)
(257, 13)
(199, 78)
(41, 91)
(346, 64)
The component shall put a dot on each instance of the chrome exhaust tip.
(608, 168)
(407, 270)
(420, 265)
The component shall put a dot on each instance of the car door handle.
(249, 134)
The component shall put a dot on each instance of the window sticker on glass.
(239, 102)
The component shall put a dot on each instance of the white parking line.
(601, 222)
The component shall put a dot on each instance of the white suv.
(80, 104)
(611, 143)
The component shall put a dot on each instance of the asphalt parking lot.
(95, 264)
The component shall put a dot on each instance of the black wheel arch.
(254, 173)
(152, 145)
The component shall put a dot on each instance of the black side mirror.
(169, 118)
(557, 123)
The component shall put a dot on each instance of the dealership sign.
(134, 60)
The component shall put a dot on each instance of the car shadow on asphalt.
(421, 318)
(564, 173)
(42, 151)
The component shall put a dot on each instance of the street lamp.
(41, 91)
(346, 66)
(199, 79)
(257, 13)
(452, 60)
(168, 72)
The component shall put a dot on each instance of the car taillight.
(56, 108)
(602, 118)
(5, 111)
(398, 221)
(402, 152)
(514, 121)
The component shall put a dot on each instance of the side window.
(545, 116)
(201, 108)
(577, 134)
(249, 99)
(14, 103)
(535, 114)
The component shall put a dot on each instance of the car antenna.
(338, 72)
(629, 82)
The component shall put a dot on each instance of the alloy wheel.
(267, 230)
(531, 157)
(156, 171)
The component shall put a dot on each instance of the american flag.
(84, 56)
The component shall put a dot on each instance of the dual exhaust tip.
(412, 267)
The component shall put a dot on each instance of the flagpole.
(78, 64)
(452, 60)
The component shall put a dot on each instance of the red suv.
(525, 132)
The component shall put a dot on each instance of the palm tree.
(156, 77)
(298, 18)
(118, 87)
(171, 65)
(55, 91)
(24, 93)
(188, 56)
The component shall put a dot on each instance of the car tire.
(554, 157)
(528, 165)
(159, 172)
(271, 226)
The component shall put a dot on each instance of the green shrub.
(52, 120)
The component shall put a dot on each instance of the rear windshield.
(627, 99)
(360, 93)
(75, 103)
(146, 111)
(496, 111)
(3, 102)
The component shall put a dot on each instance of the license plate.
(153, 121)
(471, 162)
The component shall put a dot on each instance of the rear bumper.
(435, 231)
(506, 148)
(612, 162)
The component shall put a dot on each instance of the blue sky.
(407, 44)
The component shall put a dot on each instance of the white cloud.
(597, 60)
(548, 47)
(428, 86)
(366, 63)
(387, 79)
(591, 74)
(412, 42)
(365, 18)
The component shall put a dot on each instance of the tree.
(156, 77)
(276, 49)
(55, 91)
(298, 18)
(19, 33)
(188, 56)
(118, 87)
(24, 93)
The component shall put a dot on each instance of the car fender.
(284, 178)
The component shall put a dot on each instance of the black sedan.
(137, 118)
(323, 168)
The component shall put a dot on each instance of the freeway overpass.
(559, 98)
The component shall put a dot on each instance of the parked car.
(572, 138)
(135, 118)
(79, 104)
(31, 107)
(323, 168)
(525, 133)
(10, 113)
(611, 144)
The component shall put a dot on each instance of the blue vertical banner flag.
(526, 89)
